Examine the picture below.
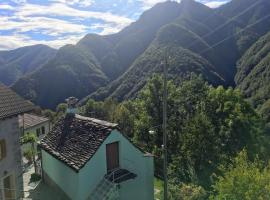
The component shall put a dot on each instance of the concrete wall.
(78, 186)
(131, 158)
(9, 130)
(62, 175)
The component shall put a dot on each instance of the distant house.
(86, 158)
(32, 124)
(38, 125)
(11, 105)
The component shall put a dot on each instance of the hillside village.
(79, 158)
(174, 106)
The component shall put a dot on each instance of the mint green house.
(85, 158)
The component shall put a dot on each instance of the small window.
(43, 130)
(38, 132)
(3, 151)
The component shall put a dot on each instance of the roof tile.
(12, 104)
(75, 139)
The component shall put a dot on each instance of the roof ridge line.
(97, 121)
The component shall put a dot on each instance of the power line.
(232, 35)
(227, 22)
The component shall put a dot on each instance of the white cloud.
(19, 40)
(106, 28)
(62, 10)
(19, 1)
(210, 3)
(215, 4)
(6, 7)
(11, 41)
(81, 3)
(64, 23)
(150, 3)
(42, 25)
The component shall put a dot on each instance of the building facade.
(30, 123)
(33, 124)
(11, 105)
(86, 158)
(10, 159)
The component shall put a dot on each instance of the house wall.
(11, 164)
(78, 186)
(61, 175)
(33, 129)
(131, 158)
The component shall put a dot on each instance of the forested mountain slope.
(100, 59)
(253, 76)
(199, 29)
(16, 63)
(73, 72)
(200, 40)
(117, 52)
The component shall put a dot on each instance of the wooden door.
(9, 187)
(112, 156)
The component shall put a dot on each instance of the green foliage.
(78, 70)
(123, 62)
(35, 177)
(182, 64)
(16, 63)
(158, 187)
(49, 114)
(61, 108)
(207, 127)
(111, 110)
(265, 111)
(233, 8)
(187, 192)
(253, 76)
(29, 138)
(222, 125)
(243, 180)
(29, 154)
(72, 72)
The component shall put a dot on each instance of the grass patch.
(158, 186)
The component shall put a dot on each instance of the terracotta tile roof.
(12, 104)
(75, 139)
(29, 120)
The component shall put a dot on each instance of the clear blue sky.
(60, 22)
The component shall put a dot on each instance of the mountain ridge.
(19, 62)
(111, 61)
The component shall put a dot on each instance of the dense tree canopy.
(243, 180)
(207, 126)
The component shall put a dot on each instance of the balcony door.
(112, 156)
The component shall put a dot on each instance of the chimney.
(71, 103)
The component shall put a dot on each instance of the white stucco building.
(30, 123)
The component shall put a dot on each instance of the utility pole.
(165, 94)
